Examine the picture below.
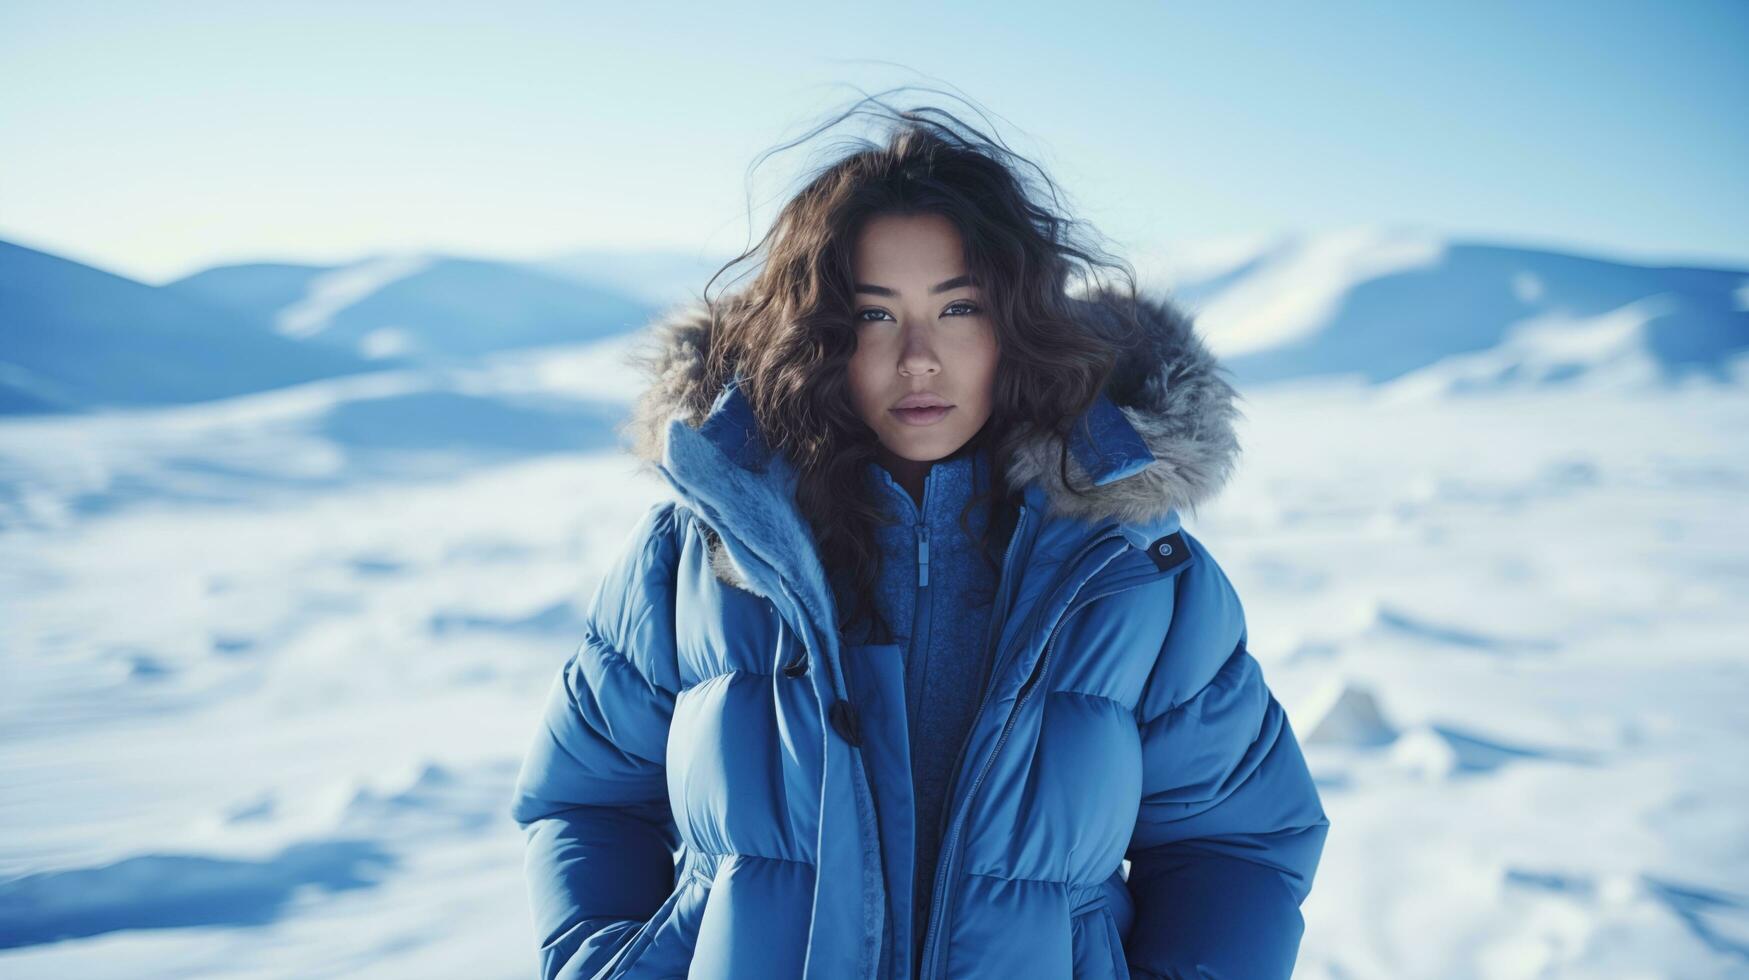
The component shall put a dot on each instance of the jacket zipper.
(922, 554)
(944, 866)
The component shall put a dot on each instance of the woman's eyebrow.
(941, 287)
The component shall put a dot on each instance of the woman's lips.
(922, 416)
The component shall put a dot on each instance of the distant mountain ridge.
(419, 306)
(1384, 307)
(75, 338)
(1389, 306)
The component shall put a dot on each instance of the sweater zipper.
(944, 866)
(922, 554)
(992, 632)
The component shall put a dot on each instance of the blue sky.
(155, 139)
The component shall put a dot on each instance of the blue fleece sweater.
(935, 590)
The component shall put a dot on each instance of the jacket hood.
(1159, 438)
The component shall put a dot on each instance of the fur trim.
(1172, 392)
(721, 564)
(1170, 389)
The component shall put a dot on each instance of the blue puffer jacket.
(700, 798)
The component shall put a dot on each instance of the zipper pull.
(922, 555)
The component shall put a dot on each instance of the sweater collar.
(950, 482)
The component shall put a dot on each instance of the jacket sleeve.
(592, 793)
(1230, 828)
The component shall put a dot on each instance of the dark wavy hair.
(791, 333)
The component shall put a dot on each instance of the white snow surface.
(266, 689)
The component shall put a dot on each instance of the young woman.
(919, 675)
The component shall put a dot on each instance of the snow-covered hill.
(424, 307)
(1381, 305)
(75, 338)
(383, 427)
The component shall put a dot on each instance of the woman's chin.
(920, 448)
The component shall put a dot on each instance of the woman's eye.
(965, 308)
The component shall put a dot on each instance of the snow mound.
(1348, 714)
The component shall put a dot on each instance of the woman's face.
(922, 337)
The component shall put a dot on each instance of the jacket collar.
(1157, 440)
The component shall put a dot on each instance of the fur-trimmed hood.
(1158, 440)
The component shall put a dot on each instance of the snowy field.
(268, 667)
